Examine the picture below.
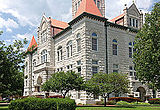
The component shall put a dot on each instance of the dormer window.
(98, 4)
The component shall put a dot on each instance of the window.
(76, 6)
(59, 53)
(133, 22)
(115, 46)
(78, 43)
(79, 70)
(44, 36)
(98, 4)
(79, 95)
(26, 82)
(130, 21)
(79, 62)
(26, 67)
(34, 63)
(44, 56)
(94, 42)
(95, 62)
(78, 3)
(136, 23)
(115, 68)
(131, 49)
(94, 70)
(69, 49)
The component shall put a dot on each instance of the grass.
(116, 108)
(3, 107)
(104, 108)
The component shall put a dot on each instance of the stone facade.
(113, 53)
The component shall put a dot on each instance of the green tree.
(147, 45)
(1, 32)
(62, 82)
(11, 68)
(104, 84)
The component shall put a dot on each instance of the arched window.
(69, 49)
(98, 4)
(115, 47)
(94, 42)
(34, 63)
(78, 42)
(59, 53)
(44, 56)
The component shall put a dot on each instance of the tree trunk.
(105, 101)
(154, 93)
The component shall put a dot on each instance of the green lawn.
(114, 108)
(105, 108)
(3, 107)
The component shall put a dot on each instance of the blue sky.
(19, 19)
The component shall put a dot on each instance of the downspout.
(106, 35)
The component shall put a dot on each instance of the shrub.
(112, 102)
(154, 101)
(42, 104)
(139, 103)
(127, 99)
(123, 104)
(99, 102)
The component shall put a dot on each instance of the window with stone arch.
(78, 38)
(94, 41)
(115, 47)
(59, 53)
(44, 56)
(69, 49)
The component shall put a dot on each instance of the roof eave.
(84, 14)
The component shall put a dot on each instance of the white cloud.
(115, 7)
(8, 24)
(29, 12)
(23, 36)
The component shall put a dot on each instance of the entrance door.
(142, 92)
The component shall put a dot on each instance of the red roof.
(33, 45)
(116, 18)
(88, 6)
(59, 24)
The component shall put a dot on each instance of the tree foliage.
(147, 45)
(62, 82)
(11, 68)
(104, 84)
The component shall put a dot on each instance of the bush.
(112, 102)
(123, 104)
(99, 102)
(154, 101)
(127, 99)
(139, 103)
(42, 104)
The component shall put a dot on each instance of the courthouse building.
(88, 44)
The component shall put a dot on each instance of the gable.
(132, 10)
